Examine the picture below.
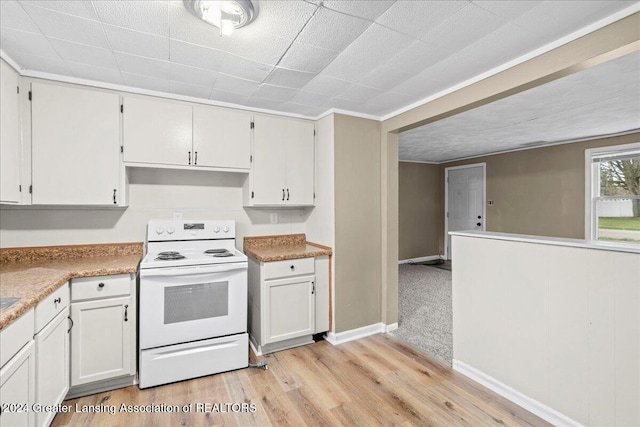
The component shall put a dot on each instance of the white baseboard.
(253, 348)
(543, 411)
(354, 334)
(421, 259)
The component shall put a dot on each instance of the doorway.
(464, 200)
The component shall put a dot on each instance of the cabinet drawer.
(100, 287)
(49, 307)
(288, 268)
(15, 336)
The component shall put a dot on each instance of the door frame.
(483, 165)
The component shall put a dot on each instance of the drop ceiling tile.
(416, 18)
(366, 9)
(142, 66)
(274, 93)
(244, 68)
(377, 44)
(305, 97)
(13, 16)
(236, 86)
(281, 18)
(146, 16)
(84, 54)
(81, 9)
(45, 64)
(359, 93)
(332, 30)
(343, 104)
(326, 85)
(194, 91)
(386, 76)
(185, 27)
(370, 108)
(289, 78)
(137, 43)
(304, 110)
(417, 57)
(418, 85)
(195, 56)
(14, 42)
(263, 103)
(507, 9)
(392, 100)
(99, 74)
(350, 67)
(303, 57)
(465, 27)
(146, 82)
(192, 75)
(258, 46)
(66, 27)
(233, 98)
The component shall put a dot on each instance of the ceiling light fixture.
(227, 15)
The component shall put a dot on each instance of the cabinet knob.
(57, 300)
(101, 285)
(293, 267)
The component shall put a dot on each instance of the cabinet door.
(289, 308)
(221, 137)
(269, 160)
(52, 365)
(300, 162)
(157, 131)
(75, 145)
(17, 387)
(10, 140)
(100, 340)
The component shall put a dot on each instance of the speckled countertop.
(281, 247)
(32, 274)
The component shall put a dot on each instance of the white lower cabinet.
(52, 365)
(18, 388)
(103, 333)
(289, 308)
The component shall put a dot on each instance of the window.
(612, 204)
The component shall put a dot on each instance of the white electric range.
(193, 302)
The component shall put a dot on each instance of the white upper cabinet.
(10, 141)
(157, 132)
(221, 137)
(283, 172)
(75, 146)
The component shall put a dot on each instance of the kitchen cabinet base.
(259, 350)
(100, 386)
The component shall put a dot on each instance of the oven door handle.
(192, 271)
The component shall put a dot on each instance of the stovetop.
(182, 256)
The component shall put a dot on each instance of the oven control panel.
(161, 231)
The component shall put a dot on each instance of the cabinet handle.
(115, 201)
(189, 157)
(70, 327)
(126, 312)
(57, 300)
(101, 285)
(313, 291)
(287, 194)
(283, 194)
(195, 158)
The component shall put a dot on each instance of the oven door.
(183, 304)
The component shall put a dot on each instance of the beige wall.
(420, 209)
(539, 191)
(357, 225)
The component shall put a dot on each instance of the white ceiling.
(601, 100)
(302, 57)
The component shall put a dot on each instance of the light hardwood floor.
(378, 380)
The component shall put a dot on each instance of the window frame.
(592, 185)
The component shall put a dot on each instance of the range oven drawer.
(179, 362)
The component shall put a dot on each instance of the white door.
(465, 200)
(75, 146)
(101, 340)
(221, 137)
(269, 161)
(158, 132)
(289, 309)
(9, 135)
(300, 162)
(18, 388)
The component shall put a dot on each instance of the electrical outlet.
(274, 218)
(177, 215)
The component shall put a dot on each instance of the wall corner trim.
(421, 259)
(354, 334)
(543, 411)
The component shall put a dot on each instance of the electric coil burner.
(193, 302)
